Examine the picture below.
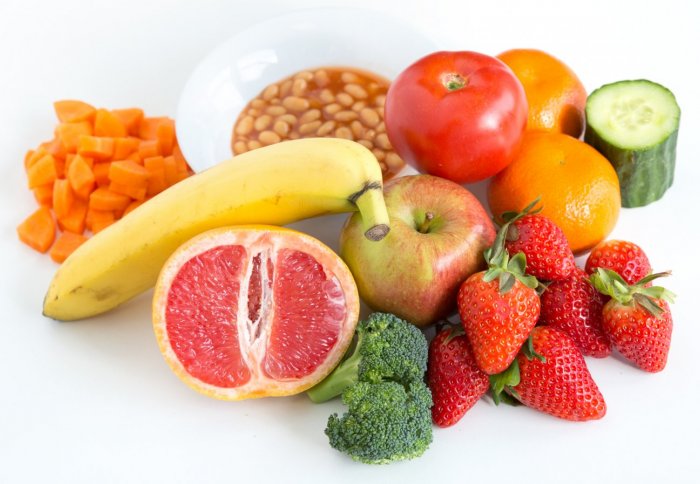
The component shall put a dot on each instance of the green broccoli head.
(387, 349)
(390, 349)
(385, 422)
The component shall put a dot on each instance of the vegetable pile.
(100, 165)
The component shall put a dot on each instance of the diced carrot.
(74, 220)
(180, 160)
(128, 173)
(137, 192)
(62, 198)
(148, 148)
(69, 159)
(98, 220)
(96, 147)
(109, 124)
(135, 157)
(65, 245)
(42, 172)
(81, 177)
(131, 118)
(165, 134)
(55, 148)
(148, 128)
(69, 111)
(44, 194)
(36, 155)
(28, 157)
(156, 175)
(38, 230)
(69, 134)
(105, 199)
(130, 208)
(171, 175)
(60, 168)
(123, 147)
(101, 172)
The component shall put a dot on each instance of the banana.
(276, 185)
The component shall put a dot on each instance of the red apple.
(439, 231)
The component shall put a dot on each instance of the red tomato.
(458, 115)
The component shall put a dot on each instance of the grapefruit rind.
(251, 236)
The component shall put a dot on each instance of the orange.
(254, 311)
(555, 96)
(578, 187)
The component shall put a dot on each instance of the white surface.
(240, 68)
(93, 401)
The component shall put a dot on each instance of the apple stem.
(425, 225)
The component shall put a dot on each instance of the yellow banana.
(275, 185)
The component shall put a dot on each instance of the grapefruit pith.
(254, 311)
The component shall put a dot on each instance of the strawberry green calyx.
(455, 330)
(510, 217)
(610, 283)
(502, 384)
(529, 351)
(507, 270)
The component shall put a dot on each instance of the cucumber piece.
(634, 124)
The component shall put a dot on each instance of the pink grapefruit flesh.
(254, 311)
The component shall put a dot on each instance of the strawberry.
(455, 380)
(625, 258)
(546, 249)
(637, 318)
(499, 307)
(550, 375)
(576, 308)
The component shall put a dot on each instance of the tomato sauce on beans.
(325, 102)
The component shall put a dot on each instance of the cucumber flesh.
(634, 124)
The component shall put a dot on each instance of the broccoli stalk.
(387, 349)
(344, 375)
(388, 417)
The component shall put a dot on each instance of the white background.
(93, 401)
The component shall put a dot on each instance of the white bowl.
(238, 70)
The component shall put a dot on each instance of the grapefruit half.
(254, 311)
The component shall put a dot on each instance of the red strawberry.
(637, 318)
(546, 249)
(455, 380)
(576, 308)
(625, 258)
(553, 378)
(499, 307)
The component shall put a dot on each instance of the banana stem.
(375, 218)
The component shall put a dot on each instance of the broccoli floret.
(385, 422)
(387, 349)
(388, 417)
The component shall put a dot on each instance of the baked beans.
(325, 102)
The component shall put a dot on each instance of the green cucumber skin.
(644, 175)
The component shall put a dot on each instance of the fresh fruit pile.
(247, 311)
(100, 165)
(529, 348)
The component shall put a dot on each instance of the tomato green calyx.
(610, 283)
(424, 226)
(453, 81)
